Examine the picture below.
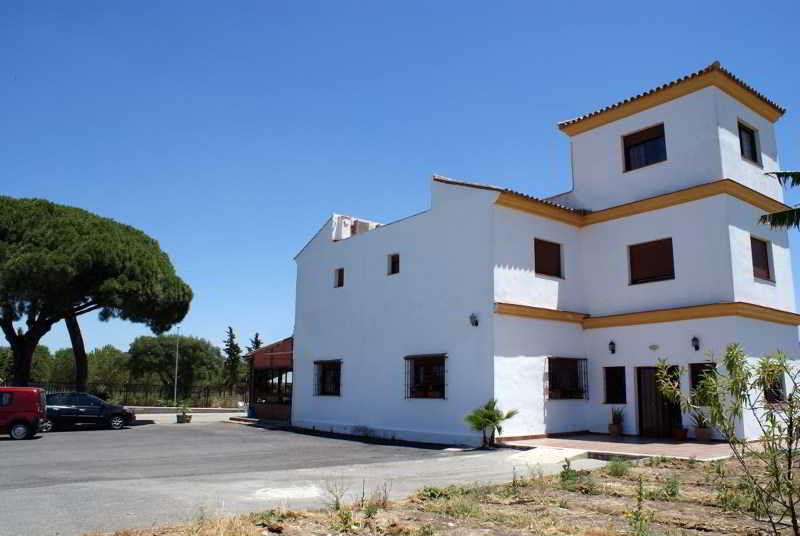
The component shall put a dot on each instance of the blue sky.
(229, 131)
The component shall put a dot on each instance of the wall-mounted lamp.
(695, 343)
(612, 347)
(473, 320)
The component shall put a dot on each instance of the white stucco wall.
(702, 139)
(729, 112)
(700, 252)
(522, 345)
(514, 278)
(693, 155)
(778, 293)
(376, 320)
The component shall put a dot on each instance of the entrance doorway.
(657, 415)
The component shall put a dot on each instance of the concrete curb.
(151, 410)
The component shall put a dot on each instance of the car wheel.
(46, 425)
(116, 422)
(20, 431)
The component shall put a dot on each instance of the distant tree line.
(149, 360)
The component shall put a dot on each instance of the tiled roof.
(714, 67)
(447, 180)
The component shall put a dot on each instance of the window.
(425, 376)
(394, 263)
(651, 261)
(645, 147)
(748, 144)
(57, 399)
(696, 372)
(615, 385)
(760, 250)
(338, 278)
(88, 400)
(328, 377)
(5, 399)
(566, 378)
(774, 392)
(547, 258)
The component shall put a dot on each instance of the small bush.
(618, 467)
(671, 488)
(426, 530)
(639, 519)
(370, 510)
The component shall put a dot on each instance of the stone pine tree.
(255, 343)
(233, 357)
(59, 262)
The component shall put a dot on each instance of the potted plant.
(617, 418)
(183, 414)
(680, 433)
(702, 432)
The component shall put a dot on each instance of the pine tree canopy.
(57, 260)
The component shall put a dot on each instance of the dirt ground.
(677, 498)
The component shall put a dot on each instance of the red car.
(21, 411)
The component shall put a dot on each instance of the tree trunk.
(79, 351)
(23, 359)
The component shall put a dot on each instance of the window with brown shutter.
(615, 385)
(645, 147)
(760, 249)
(747, 143)
(651, 261)
(547, 258)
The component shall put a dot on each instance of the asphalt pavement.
(72, 482)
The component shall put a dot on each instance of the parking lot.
(71, 482)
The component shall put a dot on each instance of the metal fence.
(138, 394)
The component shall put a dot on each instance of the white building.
(558, 307)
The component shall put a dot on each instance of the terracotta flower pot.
(702, 434)
(680, 434)
(615, 430)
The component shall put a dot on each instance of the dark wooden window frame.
(426, 376)
(328, 377)
(762, 267)
(560, 384)
(647, 139)
(635, 276)
(696, 371)
(615, 394)
(338, 278)
(543, 265)
(752, 145)
(394, 264)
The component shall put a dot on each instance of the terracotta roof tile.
(447, 180)
(716, 66)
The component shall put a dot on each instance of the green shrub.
(618, 467)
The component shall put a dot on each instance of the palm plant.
(784, 218)
(491, 418)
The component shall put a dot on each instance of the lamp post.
(175, 383)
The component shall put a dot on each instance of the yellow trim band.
(713, 310)
(538, 312)
(693, 193)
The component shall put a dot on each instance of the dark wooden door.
(657, 415)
